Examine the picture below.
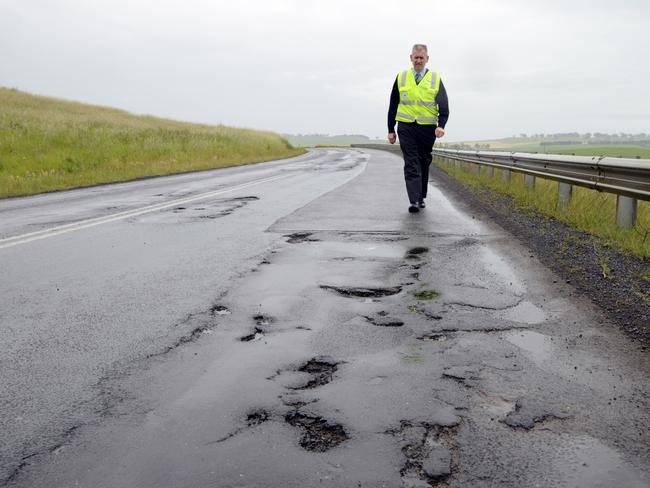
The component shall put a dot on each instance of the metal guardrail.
(629, 179)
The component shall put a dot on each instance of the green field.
(591, 211)
(616, 145)
(589, 150)
(49, 144)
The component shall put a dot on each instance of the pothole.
(298, 237)
(263, 320)
(320, 435)
(383, 322)
(417, 251)
(243, 199)
(256, 418)
(321, 369)
(434, 336)
(257, 334)
(362, 292)
(220, 310)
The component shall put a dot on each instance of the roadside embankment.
(48, 144)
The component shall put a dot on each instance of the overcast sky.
(315, 66)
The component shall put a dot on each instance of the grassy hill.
(312, 140)
(50, 144)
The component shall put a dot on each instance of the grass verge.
(590, 211)
(49, 144)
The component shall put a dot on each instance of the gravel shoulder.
(610, 279)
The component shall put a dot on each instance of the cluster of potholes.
(318, 433)
(426, 458)
(430, 451)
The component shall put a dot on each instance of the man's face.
(419, 58)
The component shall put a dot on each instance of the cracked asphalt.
(306, 331)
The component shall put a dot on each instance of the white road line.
(84, 224)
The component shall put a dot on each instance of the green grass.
(49, 144)
(590, 211)
(588, 150)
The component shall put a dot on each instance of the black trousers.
(416, 142)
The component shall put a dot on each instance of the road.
(290, 324)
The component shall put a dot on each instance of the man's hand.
(440, 132)
(392, 137)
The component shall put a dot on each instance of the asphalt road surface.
(289, 324)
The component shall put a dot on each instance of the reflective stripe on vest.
(417, 101)
(405, 116)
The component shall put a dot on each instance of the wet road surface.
(302, 331)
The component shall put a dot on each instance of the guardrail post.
(625, 211)
(489, 171)
(564, 194)
(529, 181)
(476, 168)
(506, 174)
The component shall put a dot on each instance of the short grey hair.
(418, 47)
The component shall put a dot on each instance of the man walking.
(419, 103)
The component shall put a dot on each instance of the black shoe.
(413, 208)
(421, 204)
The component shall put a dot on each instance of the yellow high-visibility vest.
(417, 102)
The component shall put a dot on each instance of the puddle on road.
(497, 265)
(525, 313)
(377, 250)
(496, 404)
(538, 347)
(585, 462)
